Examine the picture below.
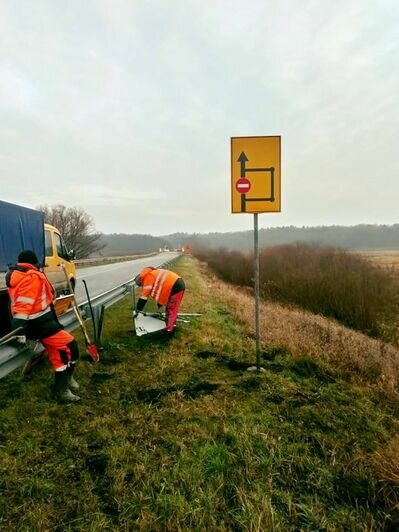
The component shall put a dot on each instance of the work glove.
(135, 313)
(21, 339)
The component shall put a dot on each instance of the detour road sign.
(255, 174)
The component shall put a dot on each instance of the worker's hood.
(140, 277)
(20, 272)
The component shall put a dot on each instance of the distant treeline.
(349, 237)
(122, 244)
(352, 237)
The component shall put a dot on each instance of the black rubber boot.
(62, 391)
(72, 384)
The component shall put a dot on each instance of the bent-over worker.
(166, 288)
(32, 309)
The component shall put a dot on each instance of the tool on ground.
(91, 309)
(91, 348)
(181, 317)
(13, 335)
(163, 314)
(150, 322)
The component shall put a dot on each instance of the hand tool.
(91, 348)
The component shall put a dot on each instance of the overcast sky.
(126, 108)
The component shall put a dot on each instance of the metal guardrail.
(109, 260)
(13, 357)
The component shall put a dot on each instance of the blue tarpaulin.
(20, 228)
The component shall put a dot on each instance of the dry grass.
(361, 358)
(386, 464)
(388, 260)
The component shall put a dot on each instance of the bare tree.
(76, 227)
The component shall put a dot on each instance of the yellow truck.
(56, 257)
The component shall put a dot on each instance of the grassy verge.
(177, 435)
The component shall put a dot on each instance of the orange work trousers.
(172, 308)
(62, 350)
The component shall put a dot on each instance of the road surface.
(99, 279)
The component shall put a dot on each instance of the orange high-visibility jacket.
(158, 284)
(30, 292)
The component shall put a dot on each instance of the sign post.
(257, 326)
(258, 192)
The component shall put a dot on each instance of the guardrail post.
(132, 289)
(98, 318)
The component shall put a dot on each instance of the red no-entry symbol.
(243, 185)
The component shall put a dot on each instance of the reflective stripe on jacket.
(30, 292)
(158, 284)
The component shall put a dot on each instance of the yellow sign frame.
(258, 160)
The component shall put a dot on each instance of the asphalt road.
(99, 279)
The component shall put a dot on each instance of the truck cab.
(58, 257)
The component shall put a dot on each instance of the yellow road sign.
(255, 174)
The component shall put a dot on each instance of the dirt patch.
(252, 383)
(236, 365)
(230, 363)
(154, 395)
(98, 378)
(206, 354)
(308, 368)
(298, 402)
(201, 388)
(272, 351)
(110, 359)
(190, 390)
(274, 398)
(97, 464)
(275, 367)
(233, 364)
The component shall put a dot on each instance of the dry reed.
(386, 464)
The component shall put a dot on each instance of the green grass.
(177, 435)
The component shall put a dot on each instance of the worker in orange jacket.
(166, 288)
(31, 297)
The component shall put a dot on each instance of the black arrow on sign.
(242, 160)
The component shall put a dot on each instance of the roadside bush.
(231, 266)
(327, 281)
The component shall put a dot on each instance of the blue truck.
(23, 228)
(20, 228)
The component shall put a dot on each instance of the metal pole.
(134, 305)
(257, 328)
(100, 323)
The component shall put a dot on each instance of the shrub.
(327, 281)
